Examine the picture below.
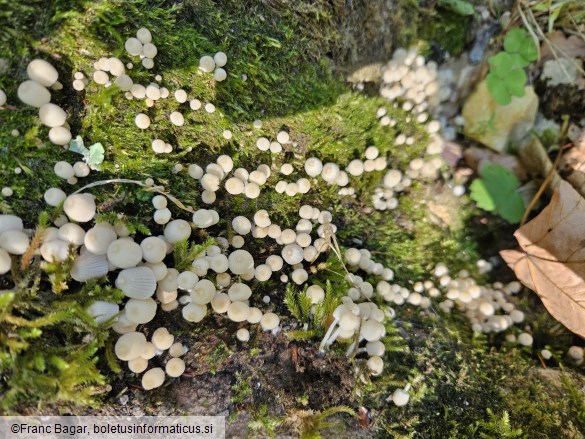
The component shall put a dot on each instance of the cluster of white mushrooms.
(35, 92)
(133, 348)
(142, 47)
(214, 64)
(222, 276)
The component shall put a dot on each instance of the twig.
(544, 184)
(157, 189)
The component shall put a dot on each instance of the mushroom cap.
(187, 280)
(138, 365)
(177, 118)
(376, 365)
(392, 178)
(124, 253)
(98, 238)
(239, 292)
(313, 166)
(292, 254)
(72, 233)
(34, 94)
(153, 378)
(220, 303)
(275, 262)
(54, 196)
(154, 249)
(226, 163)
(10, 222)
(355, 168)
(79, 207)
(203, 292)
(124, 82)
(316, 293)
(14, 241)
(64, 170)
(162, 339)
(219, 75)
(52, 115)
(234, 186)
(300, 275)
(252, 190)
(261, 218)
(2, 97)
(81, 169)
(129, 346)
(238, 311)
(400, 397)
(220, 59)
(283, 137)
(263, 272)
(203, 218)
(241, 225)
(177, 230)
(218, 263)
(144, 35)
(372, 330)
(140, 311)
(142, 121)
(269, 321)
(102, 311)
(254, 315)
(193, 312)
(243, 335)
(207, 64)
(149, 50)
(136, 282)
(177, 349)
(42, 72)
(240, 262)
(55, 250)
(175, 367)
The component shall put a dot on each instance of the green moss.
(447, 29)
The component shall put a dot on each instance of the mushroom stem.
(327, 335)
(333, 337)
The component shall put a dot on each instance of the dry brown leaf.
(552, 257)
(562, 47)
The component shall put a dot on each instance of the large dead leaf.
(558, 46)
(552, 259)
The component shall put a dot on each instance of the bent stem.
(147, 188)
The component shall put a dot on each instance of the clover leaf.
(518, 42)
(496, 190)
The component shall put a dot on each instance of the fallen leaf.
(562, 47)
(551, 261)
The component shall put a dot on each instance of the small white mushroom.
(79, 207)
(153, 378)
(34, 94)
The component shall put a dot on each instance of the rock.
(495, 125)
(562, 71)
(366, 73)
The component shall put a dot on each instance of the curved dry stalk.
(147, 188)
(544, 185)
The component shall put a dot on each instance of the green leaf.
(498, 90)
(515, 82)
(501, 64)
(529, 51)
(496, 191)
(518, 41)
(95, 156)
(514, 40)
(460, 7)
